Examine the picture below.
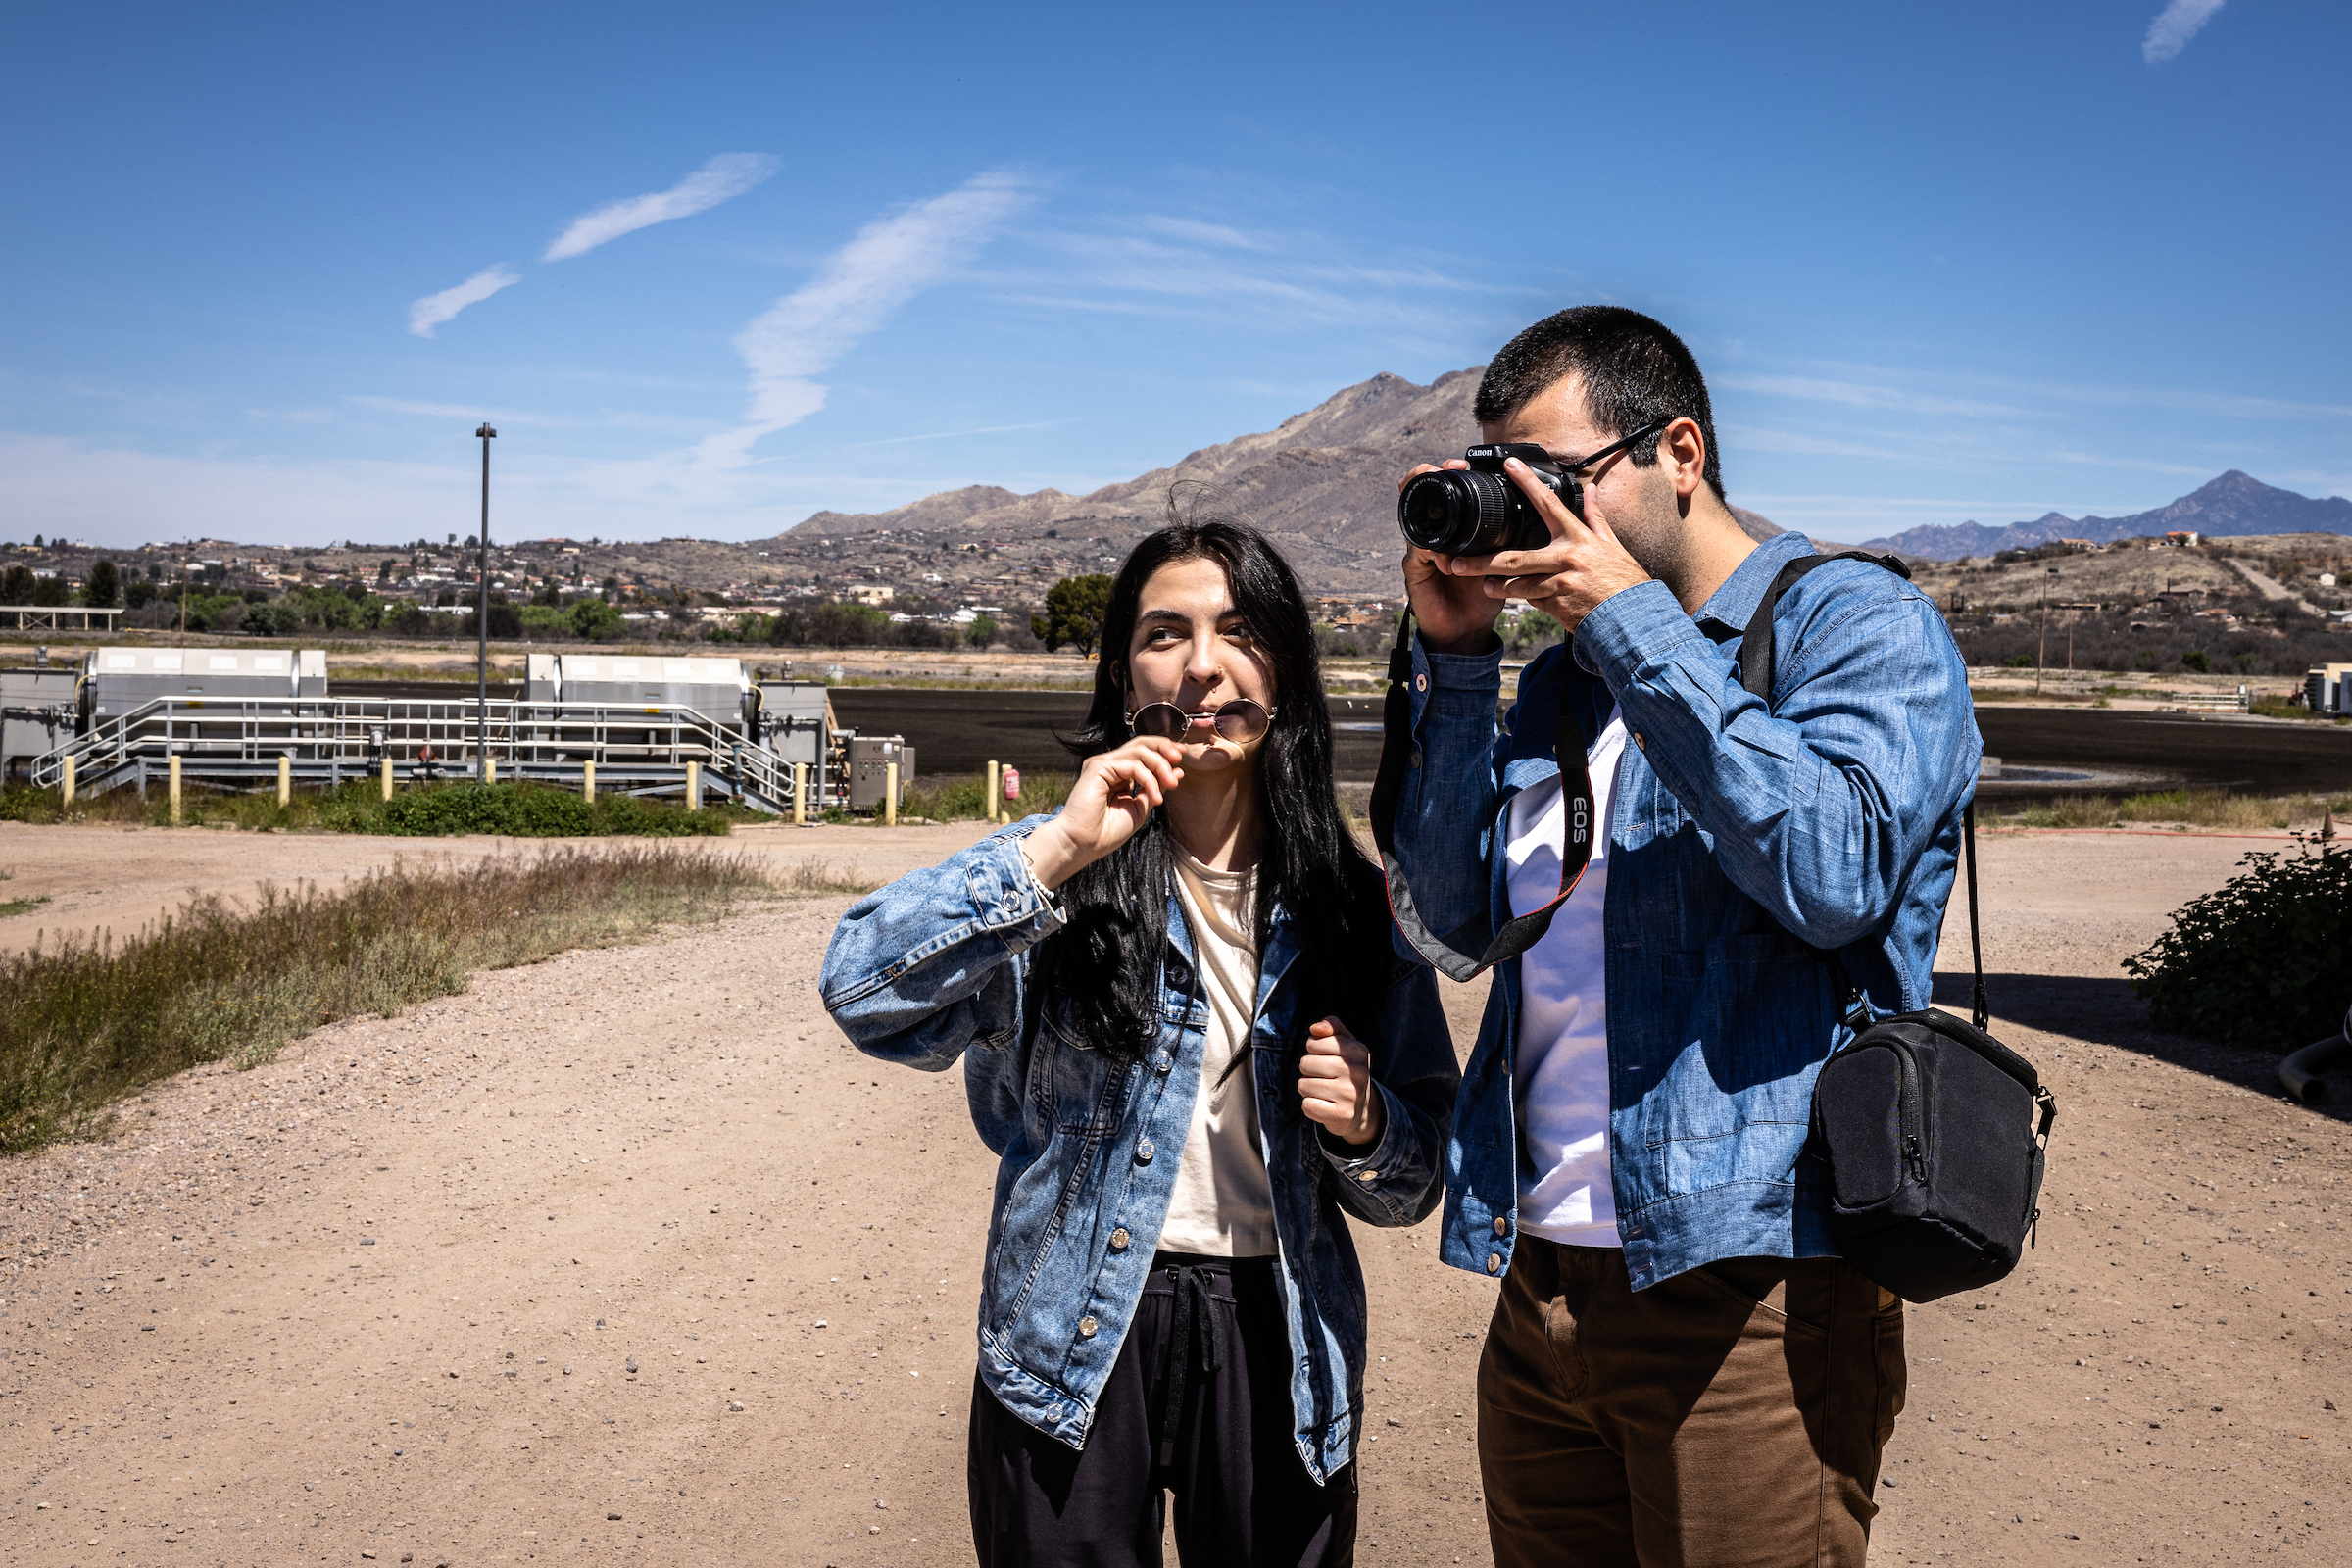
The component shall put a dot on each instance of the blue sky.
(738, 264)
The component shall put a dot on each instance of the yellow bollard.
(387, 779)
(285, 781)
(799, 792)
(694, 786)
(176, 789)
(889, 795)
(994, 786)
(588, 780)
(489, 769)
(66, 787)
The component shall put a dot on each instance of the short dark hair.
(1636, 372)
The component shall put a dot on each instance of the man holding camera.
(1679, 1371)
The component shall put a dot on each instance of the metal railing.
(642, 748)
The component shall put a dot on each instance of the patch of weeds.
(813, 876)
(10, 909)
(964, 798)
(89, 1020)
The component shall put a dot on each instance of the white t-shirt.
(1223, 1203)
(1561, 1073)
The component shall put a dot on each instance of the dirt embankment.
(627, 1254)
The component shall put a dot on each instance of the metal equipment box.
(36, 712)
(120, 679)
(794, 721)
(2329, 688)
(719, 689)
(539, 682)
(870, 759)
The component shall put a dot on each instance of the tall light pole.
(481, 624)
(2040, 656)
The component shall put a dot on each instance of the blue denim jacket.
(935, 966)
(1832, 817)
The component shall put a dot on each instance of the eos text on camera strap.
(1520, 932)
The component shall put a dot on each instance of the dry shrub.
(89, 1019)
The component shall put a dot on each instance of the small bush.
(2265, 961)
(525, 811)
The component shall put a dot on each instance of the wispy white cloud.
(1199, 233)
(445, 410)
(889, 261)
(722, 178)
(2173, 27)
(434, 309)
(1862, 394)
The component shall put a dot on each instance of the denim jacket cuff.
(1391, 1157)
(1018, 898)
(1631, 627)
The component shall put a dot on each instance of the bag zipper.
(1913, 1118)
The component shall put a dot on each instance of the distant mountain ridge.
(1322, 485)
(2229, 507)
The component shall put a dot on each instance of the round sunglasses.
(1239, 721)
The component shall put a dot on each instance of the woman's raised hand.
(1334, 1085)
(1113, 797)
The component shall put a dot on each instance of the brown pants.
(1730, 1415)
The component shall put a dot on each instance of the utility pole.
(2042, 652)
(481, 624)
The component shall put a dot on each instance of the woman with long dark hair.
(1185, 1030)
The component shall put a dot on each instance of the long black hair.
(1106, 963)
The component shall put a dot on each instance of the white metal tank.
(715, 688)
(120, 679)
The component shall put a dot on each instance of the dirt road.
(627, 1257)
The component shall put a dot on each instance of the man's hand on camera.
(1582, 566)
(1455, 616)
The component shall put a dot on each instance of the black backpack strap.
(1398, 754)
(1756, 643)
(1757, 672)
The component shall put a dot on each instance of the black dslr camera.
(1480, 511)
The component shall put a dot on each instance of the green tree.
(593, 620)
(51, 590)
(1074, 610)
(2196, 660)
(141, 593)
(982, 631)
(104, 589)
(16, 586)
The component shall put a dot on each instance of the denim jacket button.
(1119, 1240)
(1162, 1063)
(1493, 1263)
(1087, 1327)
(1367, 1177)
(1143, 1152)
(1502, 1227)
(1640, 743)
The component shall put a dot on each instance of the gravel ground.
(618, 1256)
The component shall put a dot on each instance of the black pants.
(1198, 1404)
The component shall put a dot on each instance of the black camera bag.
(1935, 1133)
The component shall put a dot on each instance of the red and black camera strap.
(1398, 754)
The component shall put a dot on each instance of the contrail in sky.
(434, 309)
(2173, 27)
(727, 175)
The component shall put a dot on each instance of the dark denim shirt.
(935, 966)
(1745, 837)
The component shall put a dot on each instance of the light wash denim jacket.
(935, 966)
(1832, 817)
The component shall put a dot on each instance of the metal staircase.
(237, 744)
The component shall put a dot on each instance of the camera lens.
(1455, 511)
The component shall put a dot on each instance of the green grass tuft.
(89, 1020)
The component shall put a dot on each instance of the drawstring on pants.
(1196, 1320)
